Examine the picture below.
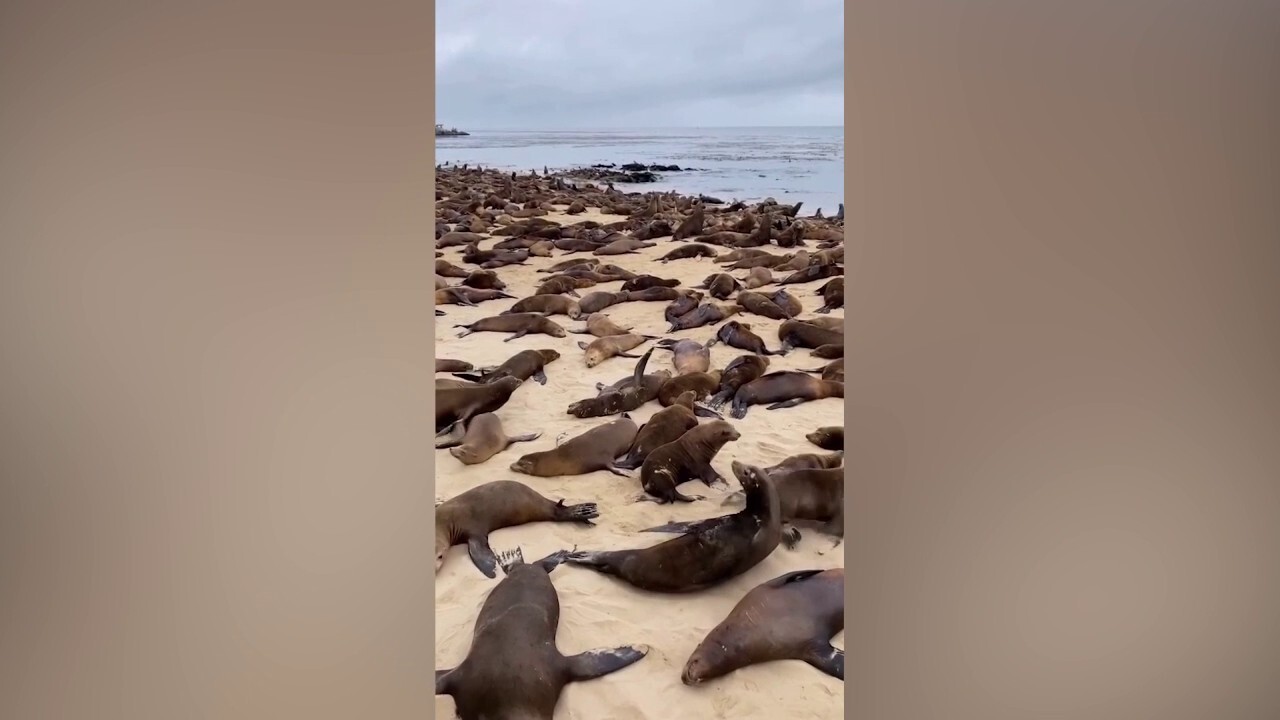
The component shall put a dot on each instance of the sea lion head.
(442, 545)
(549, 356)
(464, 453)
(523, 465)
(711, 659)
(748, 475)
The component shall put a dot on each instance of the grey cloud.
(614, 63)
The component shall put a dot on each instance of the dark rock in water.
(665, 168)
(633, 167)
(636, 167)
(708, 200)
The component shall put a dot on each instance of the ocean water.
(788, 164)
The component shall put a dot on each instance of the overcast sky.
(579, 64)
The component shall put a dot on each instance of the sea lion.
(688, 356)
(832, 295)
(738, 335)
(547, 305)
(833, 370)
(740, 371)
(644, 282)
(446, 269)
(708, 553)
(559, 285)
(799, 333)
(522, 366)
(835, 324)
(513, 669)
(720, 285)
(829, 352)
(542, 248)
(441, 282)
(456, 405)
(462, 295)
(596, 301)
(783, 389)
(829, 437)
(740, 253)
(656, 294)
(685, 458)
(690, 226)
(443, 365)
(798, 261)
(707, 314)
(758, 277)
(623, 396)
(682, 305)
(456, 239)
(566, 264)
(593, 450)
(484, 280)
(691, 250)
(807, 460)
(810, 494)
(614, 345)
(600, 325)
(811, 273)
(788, 302)
(726, 238)
(470, 517)
(623, 246)
(484, 439)
(763, 260)
(666, 425)
(792, 617)
(520, 324)
(701, 384)
(761, 304)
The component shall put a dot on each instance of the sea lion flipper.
(617, 472)
(443, 686)
(518, 334)
(685, 527)
(482, 555)
(790, 537)
(828, 659)
(452, 435)
(598, 663)
(523, 438)
(540, 376)
(785, 404)
(703, 411)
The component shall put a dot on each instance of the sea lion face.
(709, 661)
(523, 465)
(463, 453)
(556, 331)
(749, 476)
(549, 355)
(442, 547)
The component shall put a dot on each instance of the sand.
(597, 611)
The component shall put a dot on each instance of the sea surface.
(788, 164)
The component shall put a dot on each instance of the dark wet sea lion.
(547, 305)
(701, 384)
(455, 406)
(738, 335)
(486, 438)
(446, 269)
(593, 450)
(644, 282)
(758, 277)
(799, 333)
(783, 389)
(513, 670)
(656, 294)
(683, 459)
(612, 346)
(709, 552)
(740, 371)
(600, 325)
(462, 295)
(707, 314)
(666, 425)
(720, 285)
(760, 304)
(792, 617)
(788, 302)
(692, 250)
(485, 280)
(811, 273)
(829, 437)
(682, 306)
(443, 365)
(520, 324)
(596, 301)
(557, 286)
(832, 295)
(688, 356)
(470, 517)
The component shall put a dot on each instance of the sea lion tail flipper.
(572, 293)
(828, 659)
(472, 377)
(507, 559)
(464, 333)
(443, 686)
(523, 438)
(739, 409)
(598, 663)
(540, 376)
(452, 435)
(790, 537)
(638, 377)
(482, 555)
(683, 527)
(785, 404)
(703, 411)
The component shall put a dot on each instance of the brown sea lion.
(441, 282)
(692, 225)
(580, 277)
(484, 439)
(798, 261)
(709, 552)
(566, 264)
(513, 669)
(760, 304)
(783, 389)
(828, 352)
(810, 495)
(799, 333)
(576, 207)
(720, 285)
(726, 238)
(596, 301)
(683, 459)
(792, 617)
(738, 335)
(666, 425)
(623, 246)
(644, 282)
(460, 295)
(691, 250)
(807, 460)
(682, 306)
(455, 406)
(522, 366)
(557, 286)
(740, 371)
(707, 314)
(701, 384)
(520, 324)
(547, 305)
(835, 324)
(656, 294)
(613, 346)
(758, 277)
(688, 356)
(443, 365)
(739, 254)
(485, 280)
(623, 396)
(829, 437)
(811, 273)
(600, 325)
(542, 248)
(788, 302)
(593, 450)
(833, 370)
(456, 239)
(470, 517)
(832, 295)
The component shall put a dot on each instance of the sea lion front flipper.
(703, 411)
(598, 663)
(627, 355)
(523, 438)
(519, 334)
(482, 555)
(540, 376)
(826, 658)
(452, 435)
(617, 472)
(785, 404)
(443, 686)
(685, 527)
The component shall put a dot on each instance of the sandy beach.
(598, 611)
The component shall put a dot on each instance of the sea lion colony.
(591, 360)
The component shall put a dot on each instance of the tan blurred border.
(1063, 360)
